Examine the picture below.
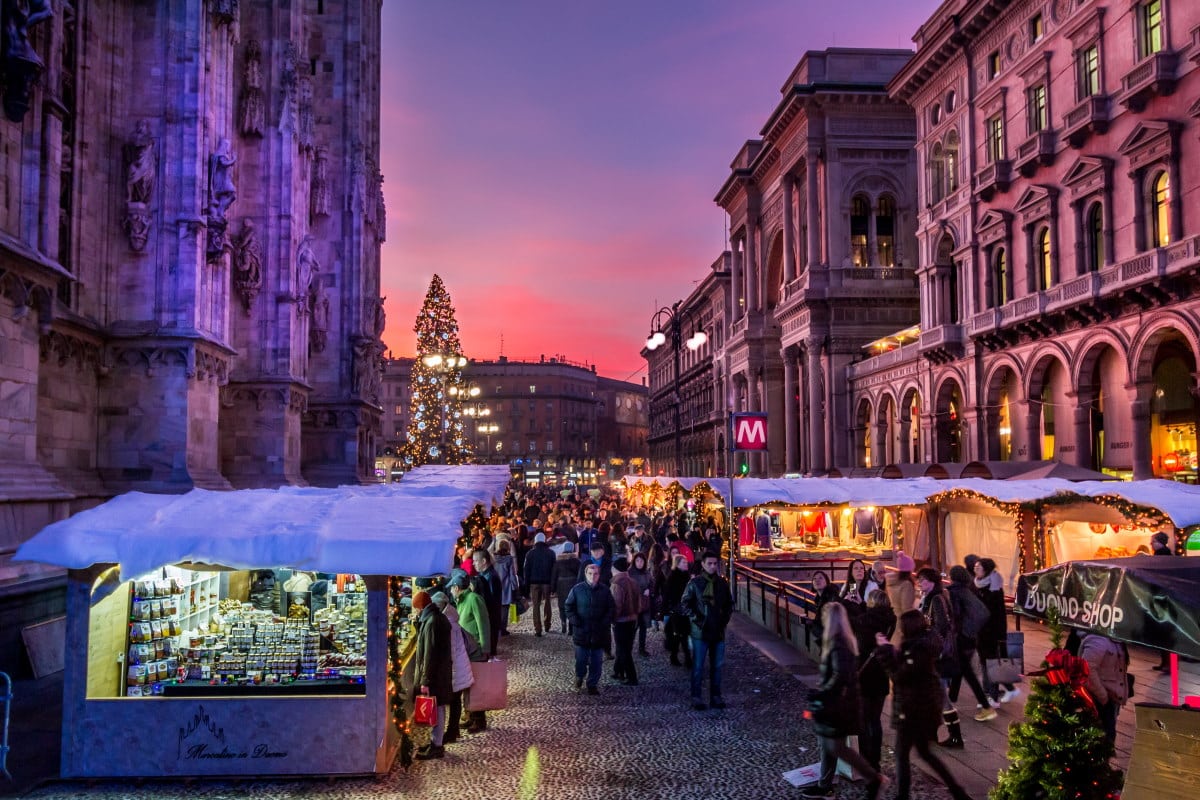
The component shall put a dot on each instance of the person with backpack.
(972, 616)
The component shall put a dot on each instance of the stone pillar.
(903, 454)
(1033, 430)
(789, 229)
(1139, 210)
(813, 207)
(790, 421)
(1143, 455)
(754, 277)
(1176, 181)
(1083, 432)
(735, 283)
(872, 239)
(1080, 242)
(879, 445)
(816, 406)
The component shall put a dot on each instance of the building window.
(859, 211)
(399, 408)
(951, 162)
(950, 101)
(994, 65)
(549, 445)
(1042, 252)
(937, 173)
(1089, 71)
(1037, 29)
(532, 389)
(1036, 102)
(1094, 233)
(1150, 28)
(1160, 211)
(994, 138)
(533, 445)
(1001, 285)
(935, 114)
(885, 227)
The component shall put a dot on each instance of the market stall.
(247, 632)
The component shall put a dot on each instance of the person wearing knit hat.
(562, 579)
(433, 672)
(627, 598)
(538, 575)
(904, 562)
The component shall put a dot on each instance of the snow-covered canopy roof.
(1179, 501)
(405, 528)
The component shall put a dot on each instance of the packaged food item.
(134, 691)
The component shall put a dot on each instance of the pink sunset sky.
(555, 162)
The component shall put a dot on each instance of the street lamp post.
(444, 366)
(671, 318)
(488, 428)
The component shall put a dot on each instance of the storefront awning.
(1179, 501)
(405, 528)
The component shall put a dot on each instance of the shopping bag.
(1004, 670)
(490, 690)
(512, 614)
(520, 603)
(424, 710)
(843, 768)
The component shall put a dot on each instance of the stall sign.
(1150, 604)
(750, 431)
(202, 737)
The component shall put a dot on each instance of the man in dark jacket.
(563, 578)
(538, 573)
(943, 629)
(708, 604)
(600, 558)
(433, 664)
(487, 583)
(590, 609)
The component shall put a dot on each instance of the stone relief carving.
(380, 212)
(252, 116)
(22, 67)
(222, 192)
(320, 195)
(141, 171)
(306, 127)
(365, 368)
(318, 332)
(380, 317)
(358, 179)
(247, 264)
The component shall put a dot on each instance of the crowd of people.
(616, 572)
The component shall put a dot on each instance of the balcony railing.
(983, 322)
(1090, 116)
(1153, 77)
(1036, 151)
(995, 177)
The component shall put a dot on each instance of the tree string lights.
(435, 430)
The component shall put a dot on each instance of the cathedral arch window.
(1160, 210)
(1041, 250)
(885, 231)
(1001, 278)
(1094, 237)
(937, 174)
(860, 211)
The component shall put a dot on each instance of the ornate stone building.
(1058, 249)
(190, 222)
(822, 211)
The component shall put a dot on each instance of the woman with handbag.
(917, 699)
(835, 705)
(993, 641)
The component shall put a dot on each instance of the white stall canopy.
(405, 528)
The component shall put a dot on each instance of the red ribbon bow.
(1062, 667)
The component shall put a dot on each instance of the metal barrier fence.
(784, 594)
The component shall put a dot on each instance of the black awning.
(1147, 600)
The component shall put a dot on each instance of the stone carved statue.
(141, 172)
(380, 318)
(380, 211)
(320, 183)
(318, 333)
(20, 64)
(247, 264)
(306, 125)
(222, 192)
(307, 270)
(252, 117)
(224, 12)
(287, 85)
(365, 363)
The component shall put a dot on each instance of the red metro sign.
(750, 431)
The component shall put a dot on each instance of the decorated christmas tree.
(1060, 751)
(435, 428)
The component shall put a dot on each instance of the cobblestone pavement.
(555, 743)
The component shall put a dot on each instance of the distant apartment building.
(552, 421)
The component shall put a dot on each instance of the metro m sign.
(750, 431)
